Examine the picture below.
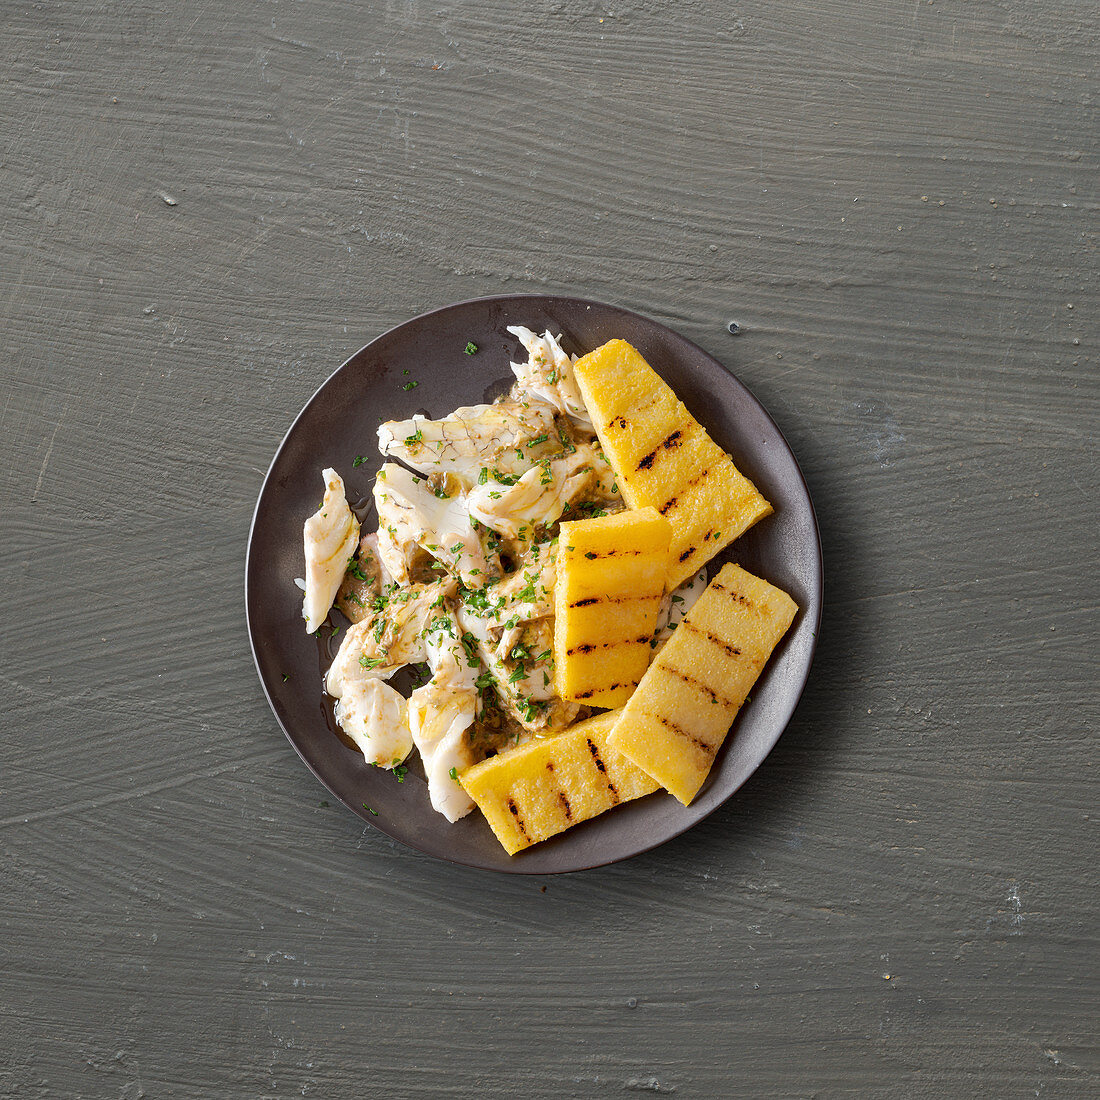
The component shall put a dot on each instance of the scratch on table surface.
(141, 792)
(1013, 898)
(49, 451)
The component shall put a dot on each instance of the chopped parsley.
(410, 385)
(471, 347)
(359, 460)
(454, 774)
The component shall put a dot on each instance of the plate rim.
(816, 587)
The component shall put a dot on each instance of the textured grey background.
(203, 212)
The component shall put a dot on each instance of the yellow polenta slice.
(550, 784)
(676, 721)
(664, 459)
(610, 579)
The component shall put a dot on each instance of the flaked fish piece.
(604, 486)
(390, 638)
(548, 375)
(524, 595)
(410, 515)
(375, 716)
(364, 581)
(440, 713)
(537, 499)
(508, 436)
(507, 686)
(527, 651)
(330, 536)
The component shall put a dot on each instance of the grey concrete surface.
(204, 208)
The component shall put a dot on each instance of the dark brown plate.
(339, 424)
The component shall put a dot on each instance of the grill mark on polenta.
(602, 767)
(669, 724)
(685, 488)
(687, 553)
(588, 695)
(518, 820)
(588, 647)
(730, 650)
(670, 443)
(595, 555)
(589, 600)
(565, 803)
(735, 596)
(695, 682)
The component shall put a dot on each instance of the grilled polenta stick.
(664, 459)
(676, 721)
(611, 577)
(550, 784)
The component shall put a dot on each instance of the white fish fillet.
(387, 640)
(537, 499)
(475, 436)
(440, 712)
(548, 375)
(331, 535)
(411, 515)
(526, 594)
(375, 716)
